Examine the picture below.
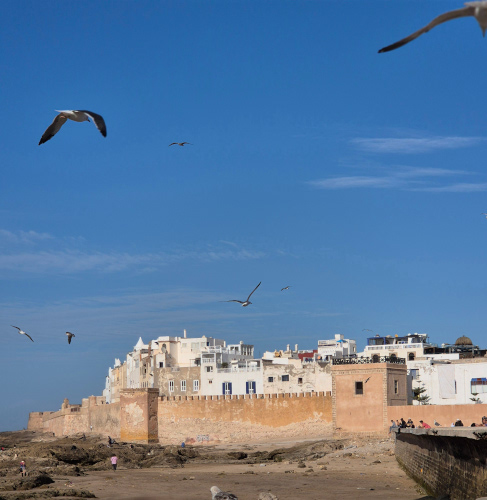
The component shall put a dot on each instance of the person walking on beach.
(114, 461)
(23, 471)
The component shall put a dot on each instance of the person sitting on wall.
(392, 426)
(410, 424)
(423, 425)
(484, 422)
(458, 423)
(403, 424)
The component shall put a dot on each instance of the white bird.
(76, 116)
(70, 336)
(471, 9)
(218, 494)
(285, 288)
(246, 302)
(484, 214)
(22, 332)
(180, 143)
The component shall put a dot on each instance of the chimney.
(288, 347)
(296, 347)
(184, 333)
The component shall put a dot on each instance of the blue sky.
(356, 177)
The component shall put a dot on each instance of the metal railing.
(365, 361)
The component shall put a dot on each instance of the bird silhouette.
(70, 336)
(180, 143)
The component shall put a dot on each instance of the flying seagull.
(22, 332)
(77, 116)
(218, 494)
(474, 9)
(70, 336)
(366, 380)
(247, 302)
(367, 330)
(285, 288)
(484, 214)
(180, 143)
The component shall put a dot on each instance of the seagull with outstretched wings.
(244, 303)
(76, 116)
(179, 143)
(22, 332)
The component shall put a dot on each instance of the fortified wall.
(143, 416)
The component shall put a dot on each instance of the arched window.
(411, 356)
(375, 358)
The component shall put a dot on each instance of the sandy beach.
(312, 469)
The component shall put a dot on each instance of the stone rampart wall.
(200, 420)
(447, 462)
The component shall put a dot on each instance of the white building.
(409, 346)
(339, 347)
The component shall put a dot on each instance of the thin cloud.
(23, 237)
(414, 145)
(457, 188)
(405, 178)
(74, 261)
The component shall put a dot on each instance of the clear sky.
(357, 178)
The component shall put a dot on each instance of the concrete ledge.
(464, 432)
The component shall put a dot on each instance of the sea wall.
(212, 419)
(449, 462)
(443, 414)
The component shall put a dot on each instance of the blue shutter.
(223, 388)
(253, 387)
(230, 388)
(246, 388)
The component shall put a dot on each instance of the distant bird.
(22, 332)
(246, 302)
(76, 116)
(484, 214)
(285, 288)
(367, 330)
(70, 336)
(366, 380)
(218, 494)
(437, 424)
(180, 143)
(471, 9)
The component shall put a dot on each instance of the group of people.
(402, 424)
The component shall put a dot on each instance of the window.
(411, 356)
(195, 346)
(210, 381)
(285, 378)
(171, 386)
(209, 369)
(183, 346)
(183, 385)
(375, 358)
(414, 373)
(227, 388)
(196, 385)
(477, 385)
(270, 379)
(359, 388)
(161, 364)
(250, 387)
(203, 344)
(396, 387)
(300, 380)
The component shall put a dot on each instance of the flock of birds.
(69, 334)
